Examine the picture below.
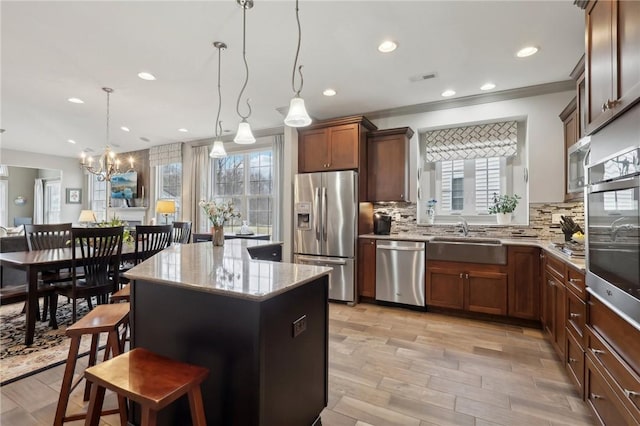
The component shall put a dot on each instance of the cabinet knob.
(604, 107)
(573, 360)
(597, 351)
(401, 195)
(551, 283)
(573, 315)
(466, 276)
(612, 103)
(461, 275)
(595, 396)
(631, 394)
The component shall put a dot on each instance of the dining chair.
(181, 232)
(97, 254)
(151, 239)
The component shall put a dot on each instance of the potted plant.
(503, 207)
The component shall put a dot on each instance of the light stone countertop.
(227, 270)
(576, 262)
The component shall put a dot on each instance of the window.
(247, 179)
(97, 196)
(467, 186)
(52, 201)
(169, 186)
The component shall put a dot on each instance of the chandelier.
(108, 165)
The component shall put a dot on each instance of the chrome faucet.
(465, 226)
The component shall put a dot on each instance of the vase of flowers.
(218, 213)
(431, 211)
(503, 207)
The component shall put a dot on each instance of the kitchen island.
(261, 328)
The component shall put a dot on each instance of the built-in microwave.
(613, 233)
(577, 156)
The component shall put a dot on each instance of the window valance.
(480, 141)
(165, 154)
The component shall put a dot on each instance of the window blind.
(480, 141)
(165, 154)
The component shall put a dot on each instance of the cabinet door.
(343, 147)
(599, 70)
(549, 303)
(559, 322)
(627, 30)
(313, 151)
(387, 168)
(524, 282)
(445, 288)
(367, 268)
(486, 292)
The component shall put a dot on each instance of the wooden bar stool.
(122, 295)
(151, 380)
(101, 319)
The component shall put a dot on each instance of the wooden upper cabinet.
(333, 145)
(388, 164)
(612, 74)
(570, 123)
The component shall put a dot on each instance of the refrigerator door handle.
(316, 214)
(322, 260)
(324, 213)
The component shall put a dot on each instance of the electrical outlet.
(555, 218)
(299, 326)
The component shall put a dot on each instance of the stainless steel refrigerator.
(326, 226)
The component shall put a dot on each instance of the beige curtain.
(200, 187)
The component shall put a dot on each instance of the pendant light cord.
(219, 94)
(108, 95)
(295, 62)
(246, 66)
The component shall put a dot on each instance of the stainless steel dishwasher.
(400, 272)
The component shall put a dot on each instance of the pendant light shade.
(244, 136)
(297, 116)
(218, 150)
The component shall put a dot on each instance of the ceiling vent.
(421, 77)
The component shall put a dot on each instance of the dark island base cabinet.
(260, 373)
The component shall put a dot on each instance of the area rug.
(50, 347)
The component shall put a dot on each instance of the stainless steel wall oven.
(613, 233)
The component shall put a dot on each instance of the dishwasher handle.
(395, 248)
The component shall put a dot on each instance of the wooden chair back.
(181, 232)
(42, 237)
(151, 239)
(98, 252)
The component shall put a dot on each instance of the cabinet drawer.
(575, 282)
(574, 362)
(599, 396)
(624, 382)
(576, 314)
(556, 267)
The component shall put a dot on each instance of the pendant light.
(218, 151)
(244, 135)
(297, 116)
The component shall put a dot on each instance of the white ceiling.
(54, 50)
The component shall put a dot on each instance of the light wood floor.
(391, 366)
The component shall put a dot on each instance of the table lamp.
(166, 207)
(87, 216)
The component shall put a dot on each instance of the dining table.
(36, 261)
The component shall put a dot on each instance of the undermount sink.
(467, 249)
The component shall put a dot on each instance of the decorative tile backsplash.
(540, 226)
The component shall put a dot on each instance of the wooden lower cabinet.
(367, 267)
(574, 363)
(554, 307)
(524, 282)
(467, 286)
(602, 400)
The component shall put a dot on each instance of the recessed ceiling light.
(329, 92)
(125, 129)
(75, 100)
(71, 141)
(488, 86)
(183, 130)
(387, 46)
(526, 51)
(448, 93)
(146, 76)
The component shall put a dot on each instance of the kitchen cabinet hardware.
(572, 360)
(573, 315)
(575, 280)
(596, 396)
(597, 351)
(630, 393)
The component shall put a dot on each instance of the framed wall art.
(74, 196)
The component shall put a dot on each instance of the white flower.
(219, 212)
